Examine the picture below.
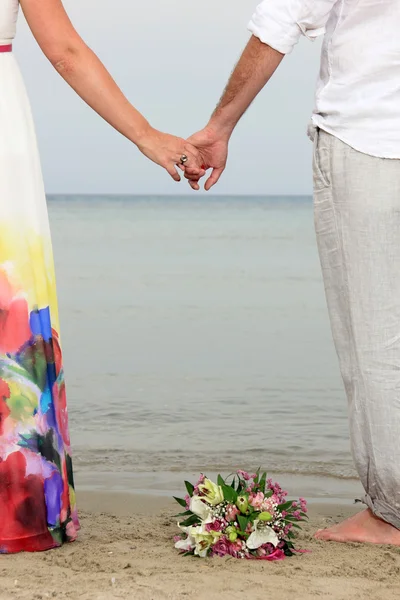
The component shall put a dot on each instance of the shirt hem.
(362, 149)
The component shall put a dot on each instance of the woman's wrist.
(141, 133)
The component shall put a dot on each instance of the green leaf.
(286, 506)
(220, 481)
(291, 519)
(233, 484)
(263, 482)
(184, 514)
(193, 520)
(23, 403)
(189, 487)
(243, 522)
(180, 501)
(229, 493)
(33, 359)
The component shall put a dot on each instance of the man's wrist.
(221, 126)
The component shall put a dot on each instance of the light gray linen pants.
(357, 220)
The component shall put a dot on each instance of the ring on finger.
(183, 159)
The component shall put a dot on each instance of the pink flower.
(187, 500)
(277, 490)
(296, 514)
(303, 505)
(287, 529)
(215, 526)
(221, 548)
(269, 504)
(196, 491)
(244, 475)
(14, 317)
(231, 512)
(235, 548)
(256, 500)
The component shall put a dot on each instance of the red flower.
(60, 403)
(14, 318)
(57, 351)
(23, 523)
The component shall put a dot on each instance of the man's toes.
(318, 534)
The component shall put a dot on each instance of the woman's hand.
(167, 150)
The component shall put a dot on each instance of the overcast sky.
(172, 59)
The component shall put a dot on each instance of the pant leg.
(357, 220)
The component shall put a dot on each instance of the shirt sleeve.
(280, 23)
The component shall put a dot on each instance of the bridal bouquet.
(247, 517)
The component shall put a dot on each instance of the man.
(356, 130)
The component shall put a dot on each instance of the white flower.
(262, 534)
(213, 493)
(186, 545)
(198, 540)
(199, 508)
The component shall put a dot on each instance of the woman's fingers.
(171, 169)
(193, 162)
(192, 165)
(194, 185)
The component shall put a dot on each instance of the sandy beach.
(125, 551)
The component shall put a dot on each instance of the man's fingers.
(190, 149)
(214, 178)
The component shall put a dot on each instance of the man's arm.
(277, 26)
(256, 66)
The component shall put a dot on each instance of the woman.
(37, 499)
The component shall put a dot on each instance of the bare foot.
(364, 528)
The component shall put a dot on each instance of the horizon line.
(175, 196)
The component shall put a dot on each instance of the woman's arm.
(85, 73)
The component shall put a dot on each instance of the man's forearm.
(255, 67)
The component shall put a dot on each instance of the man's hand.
(255, 67)
(213, 149)
(166, 150)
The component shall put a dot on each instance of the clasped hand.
(205, 150)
